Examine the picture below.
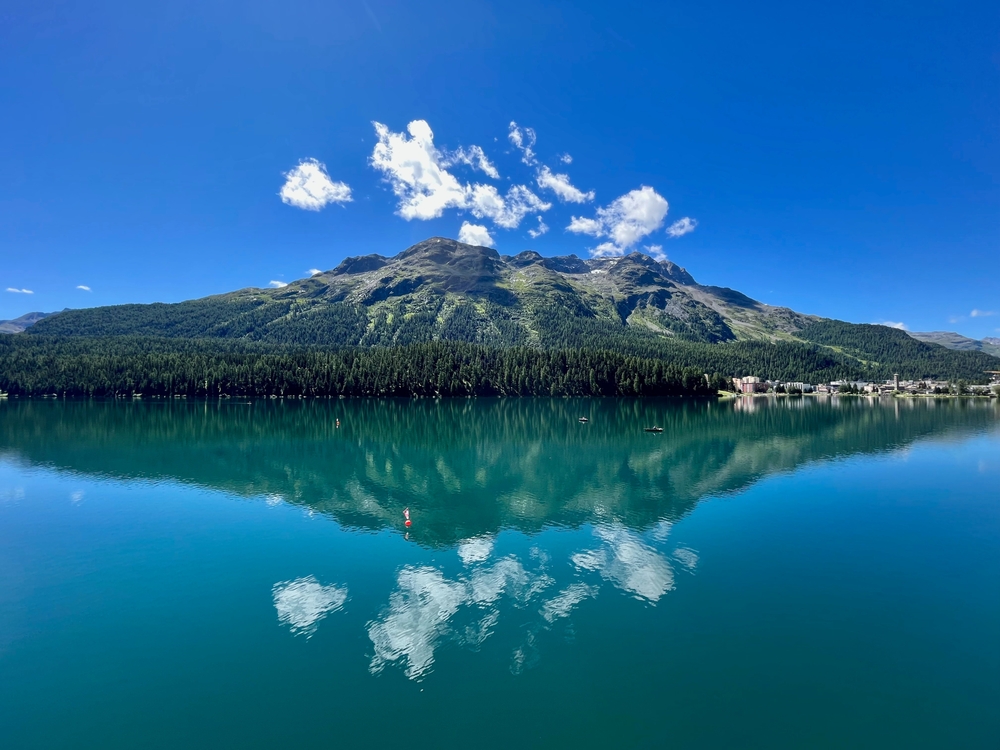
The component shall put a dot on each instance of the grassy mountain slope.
(443, 290)
(958, 342)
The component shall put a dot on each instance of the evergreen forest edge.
(581, 363)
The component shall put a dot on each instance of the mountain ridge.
(444, 290)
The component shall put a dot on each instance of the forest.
(570, 361)
(203, 368)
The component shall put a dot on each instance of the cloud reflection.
(428, 608)
(425, 604)
(302, 603)
(628, 563)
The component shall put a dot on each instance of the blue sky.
(843, 160)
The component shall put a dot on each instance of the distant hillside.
(443, 290)
(959, 342)
(24, 322)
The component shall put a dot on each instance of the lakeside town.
(894, 387)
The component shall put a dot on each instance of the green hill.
(444, 291)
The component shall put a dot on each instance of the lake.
(764, 573)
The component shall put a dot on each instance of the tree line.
(127, 366)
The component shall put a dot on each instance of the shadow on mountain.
(472, 467)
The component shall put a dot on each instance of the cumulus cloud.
(541, 229)
(309, 186)
(314, 272)
(624, 222)
(418, 174)
(582, 225)
(566, 159)
(507, 212)
(416, 171)
(84, 287)
(656, 251)
(277, 284)
(893, 324)
(561, 186)
(981, 313)
(681, 227)
(475, 157)
(524, 141)
(302, 603)
(475, 234)
(19, 291)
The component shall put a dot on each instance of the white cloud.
(309, 186)
(681, 227)
(475, 234)
(625, 221)
(418, 173)
(475, 157)
(524, 141)
(981, 313)
(84, 287)
(581, 225)
(314, 272)
(893, 324)
(561, 186)
(19, 291)
(486, 202)
(277, 284)
(302, 603)
(566, 159)
(606, 250)
(542, 229)
(656, 251)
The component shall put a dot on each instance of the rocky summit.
(444, 289)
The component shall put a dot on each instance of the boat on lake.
(583, 420)
(654, 428)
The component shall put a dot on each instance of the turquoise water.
(784, 573)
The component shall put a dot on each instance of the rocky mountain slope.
(443, 290)
(17, 325)
(958, 342)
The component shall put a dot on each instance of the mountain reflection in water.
(469, 468)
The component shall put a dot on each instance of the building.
(801, 387)
(750, 385)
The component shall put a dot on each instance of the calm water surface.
(790, 573)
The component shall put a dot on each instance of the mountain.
(959, 342)
(24, 322)
(443, 290)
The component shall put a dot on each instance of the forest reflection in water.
(469, 467)
(522, 514)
